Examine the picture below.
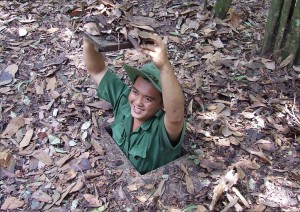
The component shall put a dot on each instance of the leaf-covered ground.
(242, 109)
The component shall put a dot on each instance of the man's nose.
(139, 101)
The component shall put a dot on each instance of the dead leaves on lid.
(117, 15)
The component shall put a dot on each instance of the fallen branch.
(292, 113)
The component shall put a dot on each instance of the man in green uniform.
(149, 123)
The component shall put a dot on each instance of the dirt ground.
(242, 111)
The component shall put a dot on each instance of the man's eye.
(134, 91)
(148, 99)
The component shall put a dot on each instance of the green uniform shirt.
(148, 146)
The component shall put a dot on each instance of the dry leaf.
(266, 145)
(286, 61)
(13, 126)
(145, 35)
(5, 90)
(217, 192)
(160, 190)
(234, 18)
(142, 27)
(269, 63)
(226, 132)
(100, 105)
(184, 28)
(218, 43)
(135, 187)
(184, 169)
(26, 140)
(175, 39)
(230, 178)
(70, 175)
(189, 184)
(67, 191)
(193, 63)
(206, 163)
(43, 157)
(232, 202)
(5, 157)
(51, 84)
(41, 196)
(93, 200)
(12, 203)
(142, 199)
(224, 142)
(79, 185)
(259, 154)
(91, 28)
(39, 87)
(248, 115)
(12, 69)
(201, 208)
(98, 147)
(52, 30)
(242, 198)
(55, 197)
(66, 158)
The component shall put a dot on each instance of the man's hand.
(157, 52)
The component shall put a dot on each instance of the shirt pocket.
(119, 134)
(138, 152)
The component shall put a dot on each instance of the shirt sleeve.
(112, 89)
(166, 143)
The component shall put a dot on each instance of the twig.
(292, 113)
(232, 203)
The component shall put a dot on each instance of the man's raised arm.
(94, 61)
(172, 94)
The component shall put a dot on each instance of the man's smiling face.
(144, 99)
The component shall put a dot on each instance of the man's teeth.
(137, 109)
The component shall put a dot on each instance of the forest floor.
(242, 109)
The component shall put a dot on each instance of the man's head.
(148, 71)
(145, 97)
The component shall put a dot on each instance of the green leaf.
(239, 78)
(84, 135)
(192, 157)
(26, 100)
(72, 143)
(165, 176)
(248, 24)
(189, 208)
(197, 161)
(86, 125)
(59, 150)
(100, 209)
(53, 139)
(251, 184)
(193, 146)
(74, 204)
(199, 152)
(175, 34)
(55, 111)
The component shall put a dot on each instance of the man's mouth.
(137, 110)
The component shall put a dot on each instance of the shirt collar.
(147, 124)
